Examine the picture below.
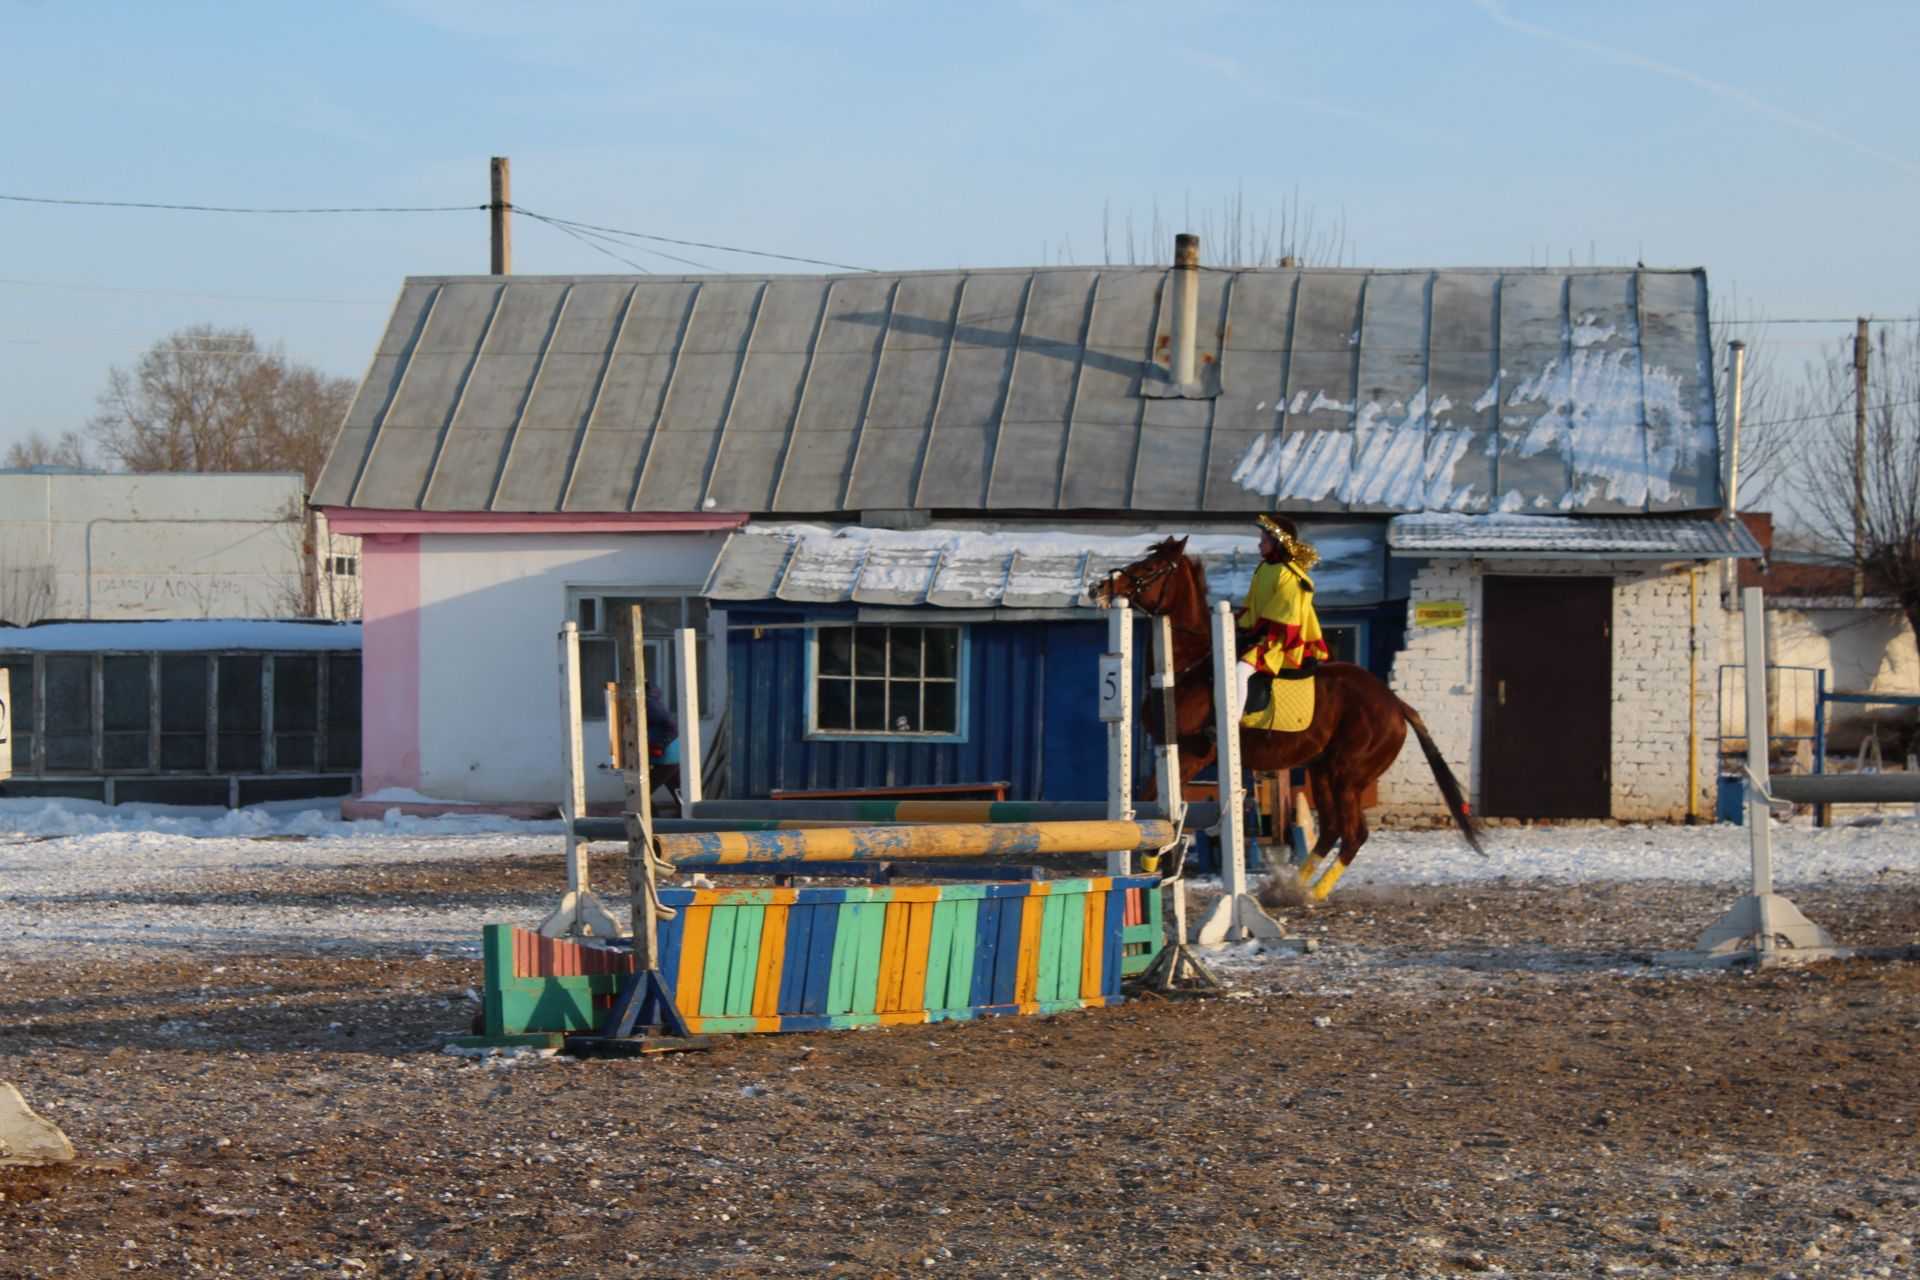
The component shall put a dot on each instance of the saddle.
(1282, 703)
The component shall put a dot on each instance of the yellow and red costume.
(1281, 630)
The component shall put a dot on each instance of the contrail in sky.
(1497, 11)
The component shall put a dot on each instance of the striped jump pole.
(924, 843)
(850, 811)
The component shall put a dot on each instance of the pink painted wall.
(390, 661)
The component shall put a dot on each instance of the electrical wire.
(691, 244)
(1835, 413)
(222, 208)
(45, 286)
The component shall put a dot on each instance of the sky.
(1769, 143)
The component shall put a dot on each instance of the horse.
(1356, 733)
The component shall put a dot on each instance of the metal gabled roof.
(1008, 568)
(1561, 391)
(1585, 537)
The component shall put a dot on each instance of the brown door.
(1546, 705)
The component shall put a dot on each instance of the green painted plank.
(1073, 928)
(713, 978)
(866, 974)
(1047, 969)
(745, 962)
(846, 947)
(939, 953)
(966, 924)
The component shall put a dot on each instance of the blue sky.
(1769, 143)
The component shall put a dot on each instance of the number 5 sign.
(1112, 688)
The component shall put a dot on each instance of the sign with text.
(1111, 706)
(1440, 613)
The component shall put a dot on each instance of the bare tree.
(1768, 445)
(1881, 482)
(70, 450)
(1288, 236)
(211, 399)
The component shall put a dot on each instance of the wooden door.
(1547, 697)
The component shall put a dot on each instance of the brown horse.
(1357, 729)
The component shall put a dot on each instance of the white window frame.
(962, 682)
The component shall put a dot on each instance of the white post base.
(580, 915)
(1759, 929)
(1236, 917)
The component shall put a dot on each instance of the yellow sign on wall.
(1440, 613)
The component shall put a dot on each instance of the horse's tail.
(1450, 788)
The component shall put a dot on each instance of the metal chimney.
(1186, 308)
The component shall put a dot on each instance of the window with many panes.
(889, 680)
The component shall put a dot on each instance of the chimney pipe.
(1186, 307)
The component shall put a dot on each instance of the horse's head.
(1145, 582)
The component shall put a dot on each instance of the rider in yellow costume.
(1278, 626)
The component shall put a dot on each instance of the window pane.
(239, 693)
(836, 651)
(296, 694)
(69, 753)
(239, 753)
(833, 709)
(596, 673)
(69, 696)
(943, 652)
(903, 650)
(125, 684)
(870, 651)
(183, 751)
(293, 752)
(589, 614)
(20, 679)
(870, 706)
(903, 705)
(942, 709)
(183, 693)
(125, 750)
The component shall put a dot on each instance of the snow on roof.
(178, 635)
(1608, 537)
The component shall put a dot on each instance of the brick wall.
(1439, 675)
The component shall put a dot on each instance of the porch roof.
(1571, 537)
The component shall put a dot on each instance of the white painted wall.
(491, 609)
(114, 547)
(1862, 650)
(1439, 673)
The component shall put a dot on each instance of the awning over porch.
(1030, 568)
(1526, 537)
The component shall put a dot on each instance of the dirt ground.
(1485, 1078)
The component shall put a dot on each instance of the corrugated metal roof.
(1333, 390)
(1583, 537)
(1034, 568)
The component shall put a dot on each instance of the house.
(881, 494)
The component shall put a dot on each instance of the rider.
(1279, 630)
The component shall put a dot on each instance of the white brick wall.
(1438, 674)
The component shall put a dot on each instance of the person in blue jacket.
(663, 743)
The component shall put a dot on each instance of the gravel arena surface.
(1462, 1078)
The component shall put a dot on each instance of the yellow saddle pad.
(1290, 710)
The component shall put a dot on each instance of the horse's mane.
(1170, 547)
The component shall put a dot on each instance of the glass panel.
(870, 706)
(69, 696)
(943, 652)
(1342, 643)
(343, 692)
(903, 705)
(660, 614)
(293, 752)
(835, 651)
(296, 694)
(20, 680)
(903, 651)
(69, 753)
(125, 750)
(126, 686)
(183, 751)
(870, 651)
(942, 714)
(589, 614)
(240, 693)
(183, 693)
(833, 708)
(239, 752)
(597, 671)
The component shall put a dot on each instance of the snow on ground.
(133, 878)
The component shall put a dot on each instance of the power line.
(594, 240)
(1833, 413)
(47, 286)
(1835, 320)
(222, 208)
(691, 244)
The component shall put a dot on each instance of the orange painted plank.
(1026, 981)
(693, 957)
(1093, 946)
(773, 951)
(913, 978)
(893, 953)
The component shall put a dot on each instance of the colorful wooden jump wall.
(745, 960)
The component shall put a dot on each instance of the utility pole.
(1859, 456)
(500, 210)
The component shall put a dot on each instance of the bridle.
(1136, 584)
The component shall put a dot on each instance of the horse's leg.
(1353, 834)
(1326, 813)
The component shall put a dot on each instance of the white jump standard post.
(1761, 928)
(1236, 915)
(1116, 708)
(579, 914)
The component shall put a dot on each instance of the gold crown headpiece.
(1299, 550)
